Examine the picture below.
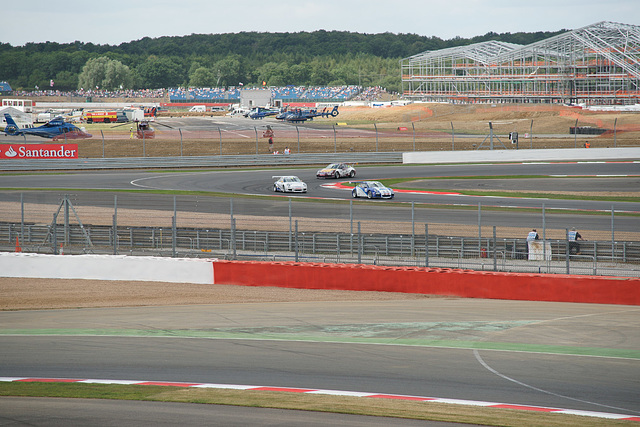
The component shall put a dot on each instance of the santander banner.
(38, 151)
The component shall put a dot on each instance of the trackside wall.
(433, 281)
(106, 267)
(357, 277)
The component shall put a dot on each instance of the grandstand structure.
(283, 94)
(594, 65)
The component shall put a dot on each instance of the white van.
(198, 109)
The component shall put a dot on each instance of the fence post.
(495, 252)
(55, 233)
(290, 224)
(22, 217)
(296, 246)
(115, 224)
(567, 253)
(544, 237)
(376, 128)
(413, 230)
(174, 231)
(453, 146)
(414, 136)
(359, 245)
(351, 227)
(479, 229)
(426, 245)
(613, 240)
(233, 238)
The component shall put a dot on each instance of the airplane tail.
(11, 128)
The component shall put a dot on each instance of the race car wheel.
(354, 194)
(352, 174)
(336, 175)
(369, 195)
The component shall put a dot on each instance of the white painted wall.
(107, 267)
(551, 155)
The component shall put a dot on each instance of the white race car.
(372, 190)
(337, 170)
(289, 184)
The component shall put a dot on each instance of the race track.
(578, 356)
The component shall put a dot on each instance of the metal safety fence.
(301, 230)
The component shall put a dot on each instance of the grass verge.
(279, 400)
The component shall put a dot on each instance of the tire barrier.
(432, 281)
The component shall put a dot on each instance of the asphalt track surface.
(576, 356)
(65, 412)
(597, 177)
(502, 351)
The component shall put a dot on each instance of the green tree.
(202, 77)
(160, 72)
(230, 70)
(105, 73)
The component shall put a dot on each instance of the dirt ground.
(425, 127)
(45, 294)
(433, 123)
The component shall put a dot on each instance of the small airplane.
(261, 113)
(298, 115)
(56, 128)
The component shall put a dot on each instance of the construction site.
(595, 65)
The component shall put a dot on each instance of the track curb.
(495, 405)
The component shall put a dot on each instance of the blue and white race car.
(289, 184)
(371, 190)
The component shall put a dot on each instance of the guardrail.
(270, 160)
(620, 258)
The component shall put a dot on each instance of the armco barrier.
(433, 281)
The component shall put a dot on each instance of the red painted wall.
(433, 281)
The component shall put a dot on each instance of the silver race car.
(371, 190)
(337, 170)
(289, 184)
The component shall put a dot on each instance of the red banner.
(38, 151)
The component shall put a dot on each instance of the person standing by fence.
(573, 237)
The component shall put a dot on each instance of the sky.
(118, 22)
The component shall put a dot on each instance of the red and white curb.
(605, 415)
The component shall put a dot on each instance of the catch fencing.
(301, 230)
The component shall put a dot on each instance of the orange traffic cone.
(18, 248)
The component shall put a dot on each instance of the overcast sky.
(115, 22)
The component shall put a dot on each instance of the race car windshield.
(375, 184)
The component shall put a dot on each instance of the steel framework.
(596, 64)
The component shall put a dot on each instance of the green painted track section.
(401, 334)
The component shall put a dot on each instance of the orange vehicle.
(101, 117)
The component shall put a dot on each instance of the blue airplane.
(261, 113)
(57, 129)
(298, 115)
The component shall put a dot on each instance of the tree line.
(319, 58)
